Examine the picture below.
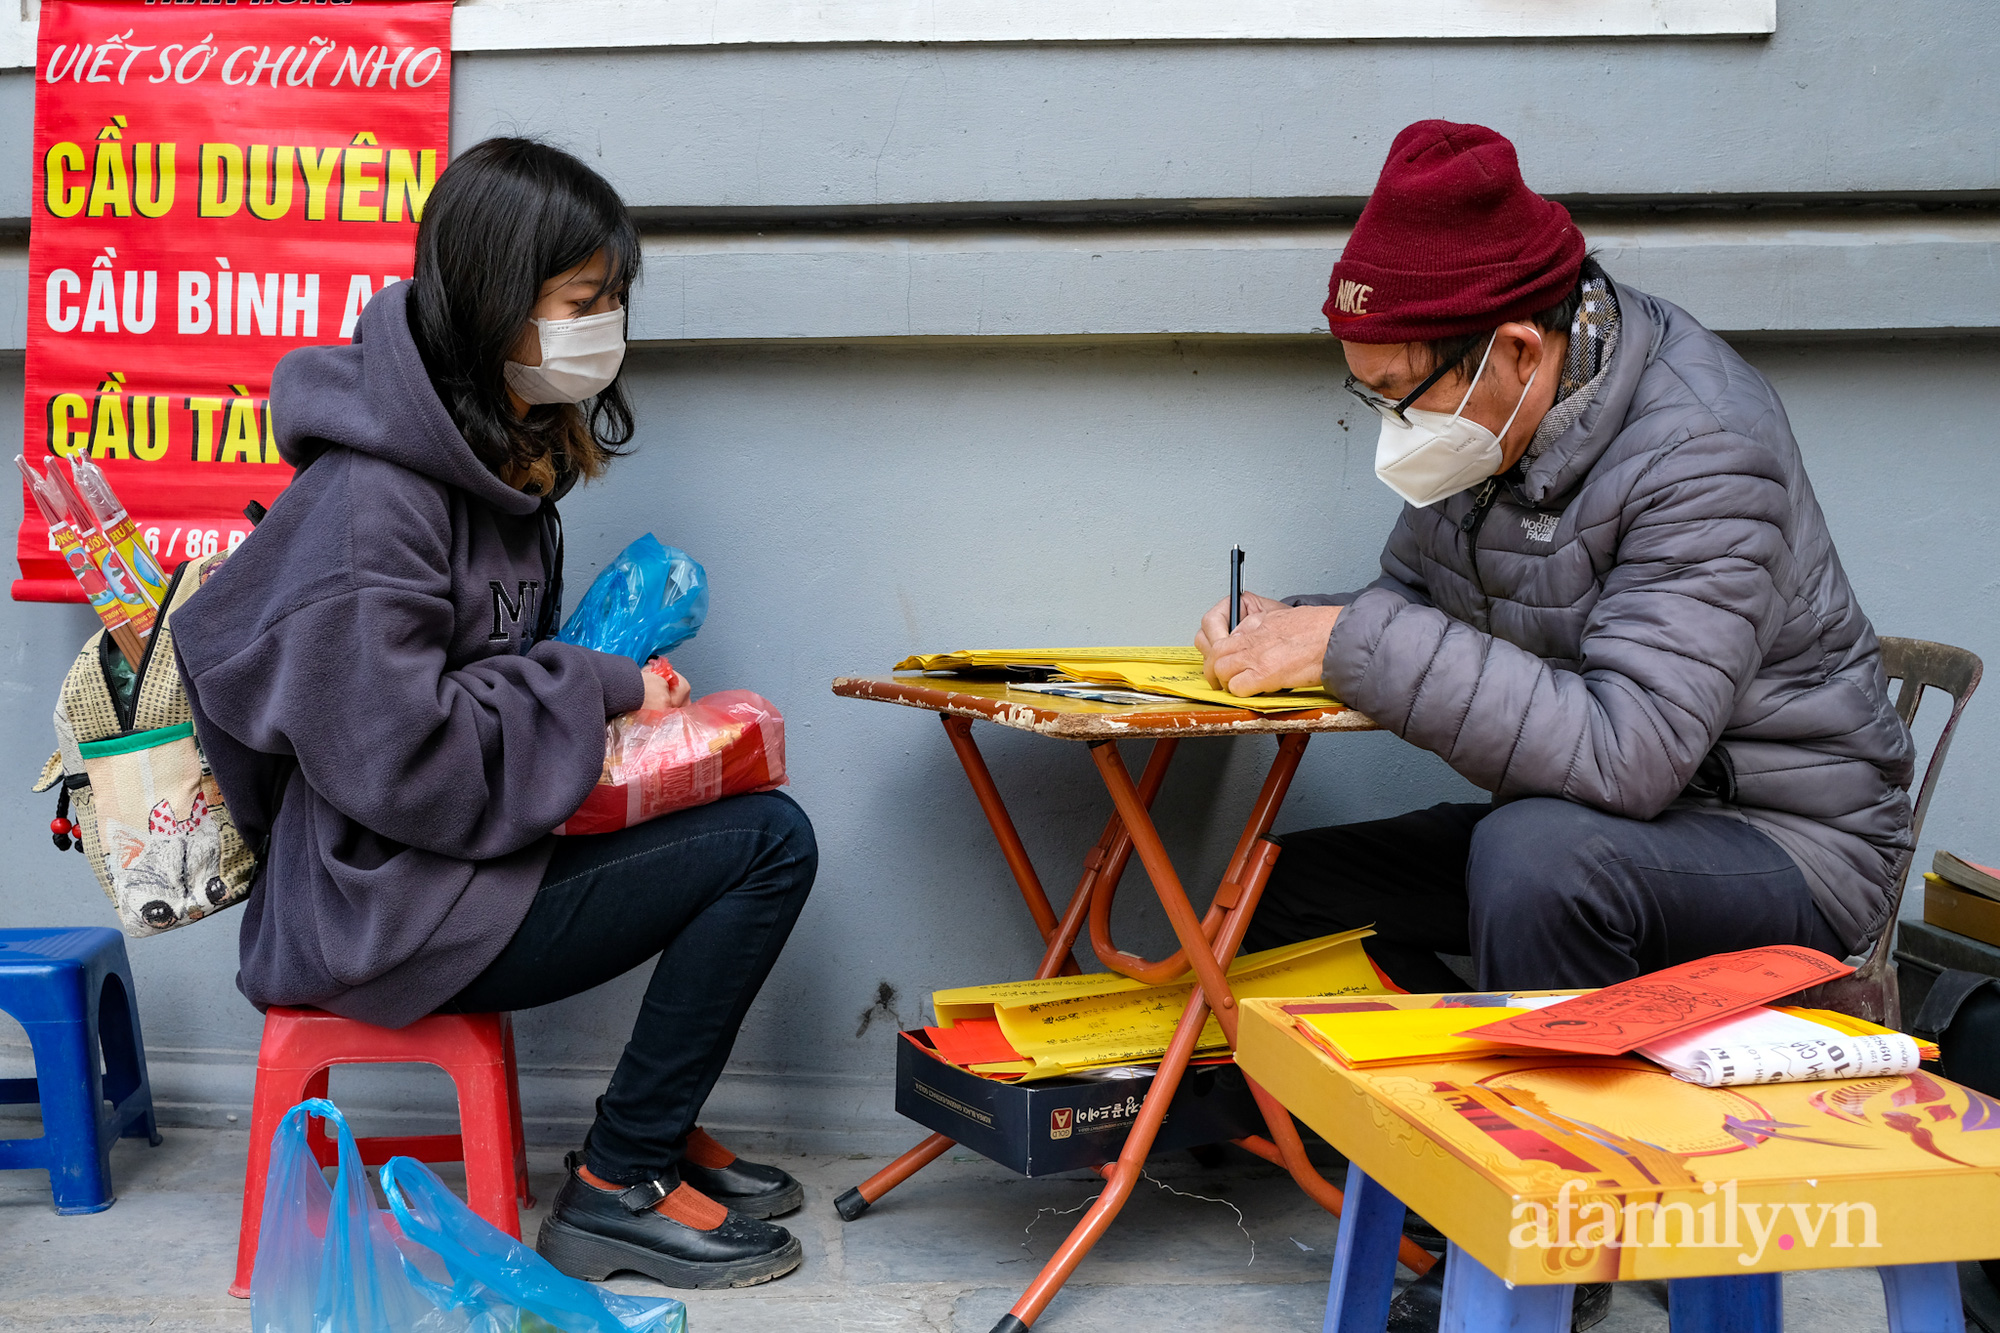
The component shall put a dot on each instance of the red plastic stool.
(477, 1050)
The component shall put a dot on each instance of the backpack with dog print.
(136, 793)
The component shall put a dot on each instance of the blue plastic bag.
(325, 1257)
(652, 598)
(330, 1261)
(497, 1283)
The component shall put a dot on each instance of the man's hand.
(1275, 646)
(1215, 625)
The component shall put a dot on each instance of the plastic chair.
(477, 1050)
(1870, 992)
(71, 988)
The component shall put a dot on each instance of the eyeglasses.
(1389, 411)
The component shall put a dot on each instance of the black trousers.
(1542, 893)
(713, 893)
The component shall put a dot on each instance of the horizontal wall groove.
(1589, 210)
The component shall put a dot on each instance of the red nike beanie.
(1452, 242)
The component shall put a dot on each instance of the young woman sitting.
(377, 688)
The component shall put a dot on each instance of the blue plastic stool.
(72, 990)
(1921, 1298)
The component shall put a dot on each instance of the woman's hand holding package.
(657, 761)
(665, 687)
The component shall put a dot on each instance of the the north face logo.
(1351, 298)
(1061, 1122)
(1540, 527)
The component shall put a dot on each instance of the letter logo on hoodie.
(512, 608)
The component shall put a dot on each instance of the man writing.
(1611, 601)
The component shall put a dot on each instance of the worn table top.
(1552, 1168)
(1087, 719)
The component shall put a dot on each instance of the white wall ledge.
(547, 25)
(493, 25)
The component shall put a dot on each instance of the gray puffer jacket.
(1657, 603)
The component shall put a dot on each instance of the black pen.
(1235, 587)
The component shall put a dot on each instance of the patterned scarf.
(1592, 338)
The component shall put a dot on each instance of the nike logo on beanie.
(1452, 242)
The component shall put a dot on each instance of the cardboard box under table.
(1063, 1124)
(1551, 1169)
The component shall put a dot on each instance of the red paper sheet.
(1337, 1007)
(1633, 1013)
(973, 1041)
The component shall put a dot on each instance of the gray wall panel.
(1751, 276)
(1833, 274)
(860, 500)
(856, 503)
(1847, 96)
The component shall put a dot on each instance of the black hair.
(505, 217)
(1462, 353)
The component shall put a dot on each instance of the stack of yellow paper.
(1385, 1034)
(1188, 683)
(965, 659)
(1405, 1036)
(1099, 1020)
(1167, 670)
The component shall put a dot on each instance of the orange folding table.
(1208, 943)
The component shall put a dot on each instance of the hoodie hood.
(374, 396)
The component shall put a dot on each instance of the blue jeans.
(713, 892)
(1543, 893)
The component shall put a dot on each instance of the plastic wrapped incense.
(70, 544)
(138, 608)
(117, 526)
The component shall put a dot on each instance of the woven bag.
(147, 812)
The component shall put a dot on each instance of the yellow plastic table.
(1546, 1170)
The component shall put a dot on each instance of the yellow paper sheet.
(958, 1003)
(1182, 654)
(1394, 1036)
(963, 1002)
(1003, 1069)
(1187, 682)
(1087, 1022)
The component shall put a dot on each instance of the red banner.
(213, 187)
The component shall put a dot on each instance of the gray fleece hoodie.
(378, 629)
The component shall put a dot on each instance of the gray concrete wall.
(928, 437)
(1848, 97)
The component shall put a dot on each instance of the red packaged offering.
(1630, 1014)
(659, 761)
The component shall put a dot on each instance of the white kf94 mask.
(1439, 454)
(579, 358)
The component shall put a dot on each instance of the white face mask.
(1439, 454)
(579, 358)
